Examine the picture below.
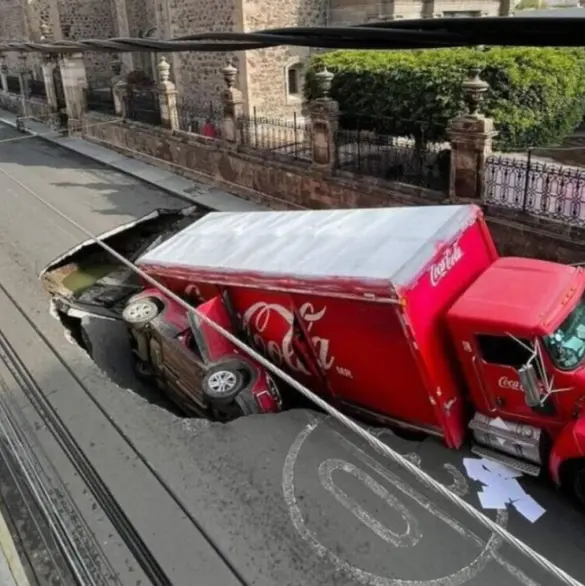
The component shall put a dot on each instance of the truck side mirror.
(530, 385)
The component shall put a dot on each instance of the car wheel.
(140, 312)
(142, 370)
(573, 482)
(223, 383)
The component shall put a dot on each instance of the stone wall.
(267, 68)
(348, 12)
(90, 19)
(271, 180)
(287, 184)
(198, 75)
(12, 27)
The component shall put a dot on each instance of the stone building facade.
(270, 79)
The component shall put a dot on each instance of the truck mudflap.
(89, 281)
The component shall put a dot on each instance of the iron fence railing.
(290, 137)
(402, 159)
(548, 190)
(204, 120)
(100, 100)
(143, 106)
(36, 88)
(13, 84)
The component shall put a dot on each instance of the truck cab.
(519, 334)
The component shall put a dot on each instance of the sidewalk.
(191, 191)
(11, 571)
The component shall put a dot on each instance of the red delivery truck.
(402, 316)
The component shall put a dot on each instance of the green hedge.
(536, 96)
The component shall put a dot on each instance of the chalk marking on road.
(12, 558)
(411, 536)
(362, 576)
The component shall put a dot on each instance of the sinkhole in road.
(106, 343)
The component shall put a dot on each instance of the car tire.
(247, 404)
(140, 312)
(224, 382)
(142, 370)
(573, 482)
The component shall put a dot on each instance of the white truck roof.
(374, 244)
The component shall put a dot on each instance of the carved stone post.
(23, 75)
(118, 91)
(48, 65)
(324, 112)
(3, 73)
(167, 95)
(74, 79)
(471, 137)
(233, 104)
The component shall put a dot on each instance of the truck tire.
(140, 312)
(224, 382)
(573, 482)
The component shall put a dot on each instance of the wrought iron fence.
(203, 120)
(13, 83)
(100, 100)
(36, 88)
(289, 137)
(531, 186)
(143, 106)
(414, 161)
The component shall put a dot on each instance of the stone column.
(233, 104)
(471, 137)
(324, 112)
(167, 96)
(48, 65)
(74, 84)
(23, 76)
(118, 91)
(3, 73)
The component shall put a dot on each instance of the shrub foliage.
(536, 95)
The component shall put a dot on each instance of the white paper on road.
(501, 488)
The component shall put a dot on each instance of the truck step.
(511, 462)
(503, 433)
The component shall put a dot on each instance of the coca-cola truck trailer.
(402, 316)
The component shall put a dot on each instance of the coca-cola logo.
(508, 383)
(264, 321)
(448, 260)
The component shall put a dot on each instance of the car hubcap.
(222, 382)
(139, 311)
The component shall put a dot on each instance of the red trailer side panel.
(456, 265)
(360, 346)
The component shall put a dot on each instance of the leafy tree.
(536, 95)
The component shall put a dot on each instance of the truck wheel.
(573, 482)
(247, 404)
(224, 382)
(140, 312)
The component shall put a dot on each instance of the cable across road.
(410, 34)
(373, 441)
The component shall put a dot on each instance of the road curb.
(8, 548)
(174, 193)
(183, 195)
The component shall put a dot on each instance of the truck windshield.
(567, 344)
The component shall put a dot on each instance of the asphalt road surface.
(289, 499)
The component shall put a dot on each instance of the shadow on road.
(58, 166)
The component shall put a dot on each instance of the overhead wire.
(362, 432)
(407, 34)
